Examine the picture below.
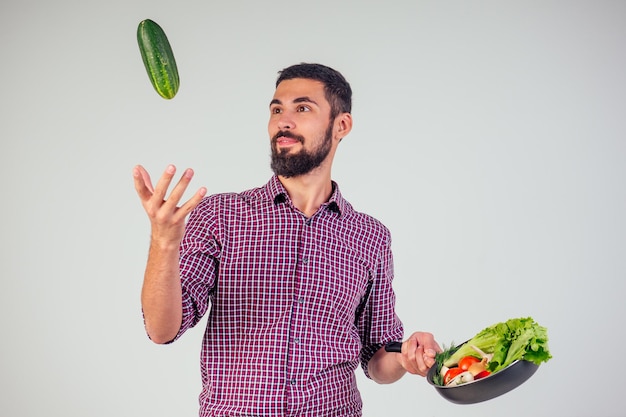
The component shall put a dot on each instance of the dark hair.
(336, 88)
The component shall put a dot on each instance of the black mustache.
(287, 134)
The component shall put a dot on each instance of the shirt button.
(305, 260)
(296, 341)
(292, 381)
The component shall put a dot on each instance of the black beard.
(302, 162)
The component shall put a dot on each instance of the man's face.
(300, 128)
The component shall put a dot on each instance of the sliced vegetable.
(441, 369)
(468, 361)
(462, 378)
(482, 374)
(478, 367)
(451, 374)
(158, 58)
(485, 356)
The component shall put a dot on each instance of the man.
(298, 282)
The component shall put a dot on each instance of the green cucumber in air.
(158, 58)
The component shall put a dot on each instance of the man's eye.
(303, 108)
(276, 110)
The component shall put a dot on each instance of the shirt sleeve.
(199, 262)
(379, 323)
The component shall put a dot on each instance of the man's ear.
(344, 125)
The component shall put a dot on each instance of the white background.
(489, 136)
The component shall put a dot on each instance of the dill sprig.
(440, 358)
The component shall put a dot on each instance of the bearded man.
(298, 284)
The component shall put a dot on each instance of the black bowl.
(488, 387)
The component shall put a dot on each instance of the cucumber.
(158, 58)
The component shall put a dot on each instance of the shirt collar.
(278, 195)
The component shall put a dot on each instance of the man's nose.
(286, 122)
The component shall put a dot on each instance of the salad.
(491, 350)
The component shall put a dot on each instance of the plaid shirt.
(283, 337)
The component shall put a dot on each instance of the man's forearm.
(384, 367)
(161, 295)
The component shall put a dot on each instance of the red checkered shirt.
(288, 324)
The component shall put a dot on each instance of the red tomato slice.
(482, 374)
(451, 373)
(467, 361)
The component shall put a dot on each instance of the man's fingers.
(179, 190)
(154, 198)
(420, 350)
(143, 183)
(186, 208)
(411, 348)
(180, 187)
(164, 182)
